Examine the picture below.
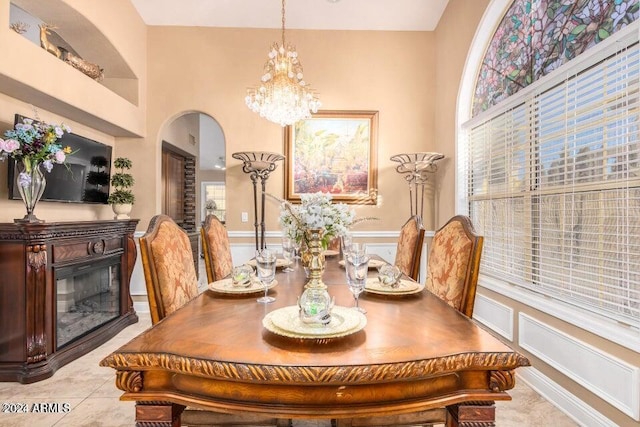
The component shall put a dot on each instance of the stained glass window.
(536, 37)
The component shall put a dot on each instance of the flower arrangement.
(32, 142)
(316, 211)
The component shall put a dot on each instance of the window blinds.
(553, 184)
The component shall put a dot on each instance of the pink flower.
(10, 145)
(60, 156)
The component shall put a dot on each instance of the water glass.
(357, 267)
(266, 268)
(288, 252)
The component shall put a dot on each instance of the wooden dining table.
(414, 354)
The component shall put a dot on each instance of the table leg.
(158, 414)
(471, 414)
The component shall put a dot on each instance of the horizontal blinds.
(554, 186)
(497, 178)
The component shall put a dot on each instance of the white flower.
(316, 211)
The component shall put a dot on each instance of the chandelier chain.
(283, 23)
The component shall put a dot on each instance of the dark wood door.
(173, 185)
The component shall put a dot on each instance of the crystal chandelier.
(283, 97)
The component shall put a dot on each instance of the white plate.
(225, 286)
(331, 252)
(407, 287)
(280, 262)
(286, 322)
(373, 263)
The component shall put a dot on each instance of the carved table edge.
(501, 366)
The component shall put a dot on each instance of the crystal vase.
(31, 184)
(315, 302)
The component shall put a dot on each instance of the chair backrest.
(454, 262)
(409, 247)
(216, 249)
(169, 272)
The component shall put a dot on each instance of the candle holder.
(258, 164)
(416, 168)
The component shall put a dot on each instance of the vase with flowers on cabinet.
(34, 145)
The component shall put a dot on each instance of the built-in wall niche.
(76, 41)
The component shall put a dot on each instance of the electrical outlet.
(245, 217)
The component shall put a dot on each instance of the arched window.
(536, 37)
(551, 159)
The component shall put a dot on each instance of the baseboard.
(562, 399)
(141, 306)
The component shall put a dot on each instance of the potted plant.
(210, 206)
(121, 200)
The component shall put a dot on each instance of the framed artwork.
(333, 152)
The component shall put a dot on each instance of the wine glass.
(345, 244)
(297, 243)
(357, 267)
(288, 252)
(266, 267)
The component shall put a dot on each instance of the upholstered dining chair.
(170, 276)
(409, 247)
(169, 272)
(454, 264)
(452, 267)
(216, 249)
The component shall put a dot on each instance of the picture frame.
(333, 152)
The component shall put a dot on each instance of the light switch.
(245, 216)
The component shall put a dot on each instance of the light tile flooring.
(93, 398)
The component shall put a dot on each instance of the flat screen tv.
(85, 178)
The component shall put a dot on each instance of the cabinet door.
(173, 185)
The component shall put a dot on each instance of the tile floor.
(90, 392)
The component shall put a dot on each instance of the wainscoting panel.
(494, 315)
(568, 403)
(137, 285)
(242, 252)
(612, 379)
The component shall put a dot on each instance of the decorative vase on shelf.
(31, 184)
(315, 303)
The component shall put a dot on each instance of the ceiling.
(381, 15)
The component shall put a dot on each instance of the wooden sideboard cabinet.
(64, 290)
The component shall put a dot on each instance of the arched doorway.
(193, 153)
(212, 169)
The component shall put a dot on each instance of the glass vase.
(31, 184)
(315, 302)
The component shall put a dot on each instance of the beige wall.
(29, 76)
(209, 69)
(454, 34)
(179, 132)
